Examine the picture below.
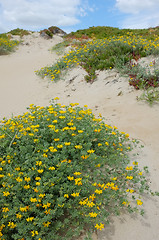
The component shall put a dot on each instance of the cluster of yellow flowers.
(33, 182)
(73, 58)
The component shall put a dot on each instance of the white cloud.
(36, 14)
(136, 6)
(139, 14)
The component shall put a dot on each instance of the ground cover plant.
(150, 95)
(20, 32)
(7, 45)
(63, 172)
(101, 32)
(102, 54)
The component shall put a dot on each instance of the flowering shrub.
(63, 171)
(102, 54)
(7, 45)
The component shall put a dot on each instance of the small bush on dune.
(62, 172)
(20, 32)
(7, 45)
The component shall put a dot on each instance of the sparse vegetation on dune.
(6, 44)
(19, 32)
(115, 51)
(107, 32)
(64, 171)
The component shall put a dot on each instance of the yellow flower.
(98, 165)
(78, 146)
(17, 168)
(51, 168)
(90, 204)
(67, 143)
(129, 177)
(92, 214)
(70, 178)
(99, 144)
(5, 209)
(98, 191)
(80, 131)
(66, 196)
(38, 163)
(139, 202)
(11, 225)
(40, 170)
(129, 168)
(42, 195)
(6, 194)
(59, 146)
(18, 215)
(18, 179)
(77, 173)
(45, 155)
(33, 200)
(46, 224)
(113, 133)
(34, 233)
(135, 163)
(106, 143)
(56, 139)
(100, 227)
(91, 151)
(125, 203)
(26, 186)
(23, 209)
(38, 178)
(29, 219)
(27, 179)
(46, 205)
(75, 194)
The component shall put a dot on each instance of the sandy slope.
(110, 95)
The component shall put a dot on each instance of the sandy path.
(19, 86)
(111, 96)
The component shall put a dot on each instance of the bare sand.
(110, 95)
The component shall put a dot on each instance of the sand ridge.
(109, 95)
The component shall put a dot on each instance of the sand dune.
(110, 95)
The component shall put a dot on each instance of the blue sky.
(71, 15)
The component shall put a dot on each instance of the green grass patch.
(64, 172)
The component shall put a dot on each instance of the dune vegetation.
(64, 171)
(93, 52)
(6, 44)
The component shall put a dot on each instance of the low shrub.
(6, 45)
(101, 55)
(151, 95)
(62, 172)
(20, 32)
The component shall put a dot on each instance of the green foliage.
(151, 95)
(60, 47)
(63, 171)
(7, 45)
(101, 32)
(102, 54)
(20, 32)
